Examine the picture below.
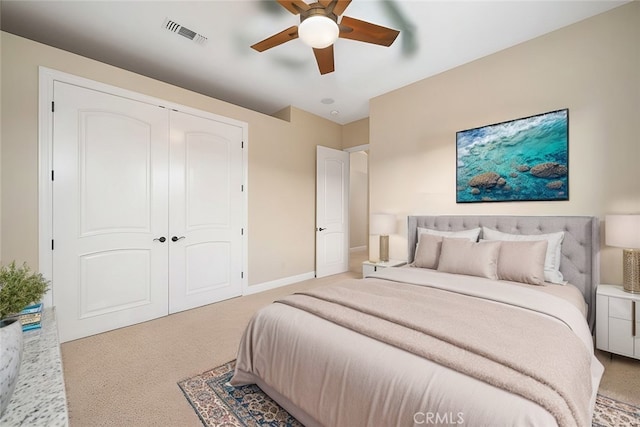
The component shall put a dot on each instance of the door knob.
(320, 229)
(161, 239)
(176, 238)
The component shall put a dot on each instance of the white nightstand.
(618, 321)
(369, 267)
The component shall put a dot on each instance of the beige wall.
(355, 133)
(281, 160)
(282, 195)
(592, 68)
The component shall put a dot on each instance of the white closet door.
(110, 195)
(205, 211)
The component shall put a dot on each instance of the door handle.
(320, 229)
(160, 239)
(633, 318)
(176, 238)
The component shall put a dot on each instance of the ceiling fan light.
(318, 31)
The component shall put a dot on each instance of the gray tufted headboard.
(580, 263)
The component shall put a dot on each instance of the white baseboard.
(261, 287)
(358, 249)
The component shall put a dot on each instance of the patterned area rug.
(221, 405)
(613, 413)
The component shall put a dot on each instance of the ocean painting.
(521, 160)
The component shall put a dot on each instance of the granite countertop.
(39, 398)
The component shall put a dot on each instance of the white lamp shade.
(318, 31)
(623, 231)
(382, 224)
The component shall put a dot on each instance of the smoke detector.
(174, 27)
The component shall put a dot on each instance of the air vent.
(174, 27)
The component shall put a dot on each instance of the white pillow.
(554, 249)
(471, 234)
(460, 256)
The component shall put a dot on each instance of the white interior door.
(110, 195)
(332, 211)
(206, 206)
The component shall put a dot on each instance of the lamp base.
(384, 249)
(631, 270)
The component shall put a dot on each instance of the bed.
(470, 341)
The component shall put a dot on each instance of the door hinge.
(52, 245)
(242, 144)
(242, 187)
(242, 231)
(53, 108)
(242, 274)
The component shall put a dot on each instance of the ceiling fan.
(319, 28)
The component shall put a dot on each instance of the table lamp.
(383, 224)
(623, 231)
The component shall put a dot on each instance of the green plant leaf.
(19, 287)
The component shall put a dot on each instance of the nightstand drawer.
(368, 269)
(620, 308)
(620, 339)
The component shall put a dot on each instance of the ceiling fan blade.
(290, 33)
(294, 6)
(355, 29)
(324, 58)
(339, 6)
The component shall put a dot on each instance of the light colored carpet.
(128, 377)
(621, 380)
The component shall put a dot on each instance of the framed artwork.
(525, 159)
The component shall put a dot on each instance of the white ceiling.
(435, 36)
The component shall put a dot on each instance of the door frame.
(351, 151)
(46, 78)
(357, 148)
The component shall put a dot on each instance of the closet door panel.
(208, 162)
(111, 281)
(110, 196)
(107, 139)
(200, 279)
(206, 208)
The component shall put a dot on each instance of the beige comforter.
(532, 366)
